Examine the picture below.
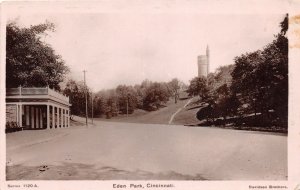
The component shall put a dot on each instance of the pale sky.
(126, 48)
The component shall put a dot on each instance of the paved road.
(147, 151)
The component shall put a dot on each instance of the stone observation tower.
(203, 64)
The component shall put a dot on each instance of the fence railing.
(35, 91)
(12, 91)
(57, 95)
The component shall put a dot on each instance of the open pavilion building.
(37, 108)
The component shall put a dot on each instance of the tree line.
(253, 91)
(124, 99)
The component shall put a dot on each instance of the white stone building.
(37, 108)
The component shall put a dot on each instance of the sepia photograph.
(139, 96)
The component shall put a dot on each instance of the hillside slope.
(187, 115)
(161, 116)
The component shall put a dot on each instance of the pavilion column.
(41, 117)
(48, 118)
(32, 117)
(20, 116)
(62, 117)
(56, 118)
(68, 118)
(65, 119)
(58, 122)
(53, 117)
(17, 116)
(37, 118)
(27, 114)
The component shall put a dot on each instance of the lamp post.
(92, 108)
(127, 102)
(86, 104)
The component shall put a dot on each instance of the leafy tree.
(244, 80)
(226, 102)
(112, 107)
(198, 87)
(284, 25)
(76, 92)
(276, 72)
(260, 80)
(155, 96)
(140, 94)
(127, 98)
(29, 60)
(174, 86)
(220, 77)
(110, 103)
(99, 105)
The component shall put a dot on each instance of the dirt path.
(113, 150)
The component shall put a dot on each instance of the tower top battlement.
(207, 50)
(202, 58)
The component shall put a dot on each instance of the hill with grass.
(160, 116)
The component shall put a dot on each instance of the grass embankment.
(187, 115)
